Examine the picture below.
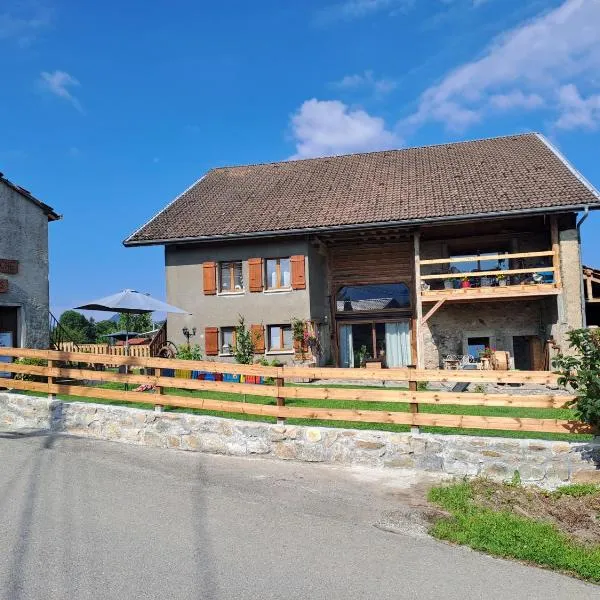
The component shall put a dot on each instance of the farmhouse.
(428, 256)
(24, 310)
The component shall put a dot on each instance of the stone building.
(24, 293)
(417, 256)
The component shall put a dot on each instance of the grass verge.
(482, 515)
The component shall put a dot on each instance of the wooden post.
(555, 251)
(51, 396)
(159, 390)
(418, 300)
(280, 382)
(414, 406)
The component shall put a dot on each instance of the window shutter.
(255, 272)
(210, 278)
(298, 275)
(258, 337)
(211, 341)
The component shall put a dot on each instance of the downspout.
(586, 214)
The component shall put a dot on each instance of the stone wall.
(541, 462)
(447, 330)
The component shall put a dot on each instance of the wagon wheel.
(168, 350)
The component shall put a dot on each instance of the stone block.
(586, 476)
(313, 435)
(401, 462)
(285, 450)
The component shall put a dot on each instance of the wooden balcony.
(501, 284)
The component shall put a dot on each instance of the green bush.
(38, 362)
(185, 352)
(582, 372)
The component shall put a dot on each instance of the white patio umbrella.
(130, 302)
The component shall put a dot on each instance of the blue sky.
(111, 109)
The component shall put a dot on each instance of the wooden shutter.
(255, 274)
(209, 270)
(211, 341)
(258, 337)
(298, 275)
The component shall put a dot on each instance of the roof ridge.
(329, 157)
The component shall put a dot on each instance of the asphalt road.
(83, 519)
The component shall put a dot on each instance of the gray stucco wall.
(24, 237)
(185, 289)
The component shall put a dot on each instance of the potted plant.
(465, 282)
(448, 284)
(501, 279)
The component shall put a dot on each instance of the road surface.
(84, 519)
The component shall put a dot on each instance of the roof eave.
(129, 242)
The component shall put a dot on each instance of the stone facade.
(540, 462)
(24, 237)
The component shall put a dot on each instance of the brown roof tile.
(499, 175)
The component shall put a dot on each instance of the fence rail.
(60, 366)
(138, 350)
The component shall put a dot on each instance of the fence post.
(280, 382)
(159, 390)
(51, 395)
(414, 406)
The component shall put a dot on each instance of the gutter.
(586, 214)
(357, 226)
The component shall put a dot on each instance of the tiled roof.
(52, 216)
(513, 174)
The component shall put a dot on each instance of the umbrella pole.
(126, 347)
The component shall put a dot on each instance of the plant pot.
(465, 284)
(448, 284)
(502, 282)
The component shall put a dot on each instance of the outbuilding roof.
(488, 177)
(52, 215)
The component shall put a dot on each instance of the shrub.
(38, 362)
(243, 349)
(185, 352)
(582, 372)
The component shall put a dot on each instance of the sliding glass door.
(387, 341)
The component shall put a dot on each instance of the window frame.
(281, 349)
(222, 330)
(403, 310)
(231, 271)
(278, 272)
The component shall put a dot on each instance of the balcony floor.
(512, 292)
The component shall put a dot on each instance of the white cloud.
(365, 80)
(329, 127)
(516, 99)
(22, 22)
(58, 83)
(349, 10)
(521, 69)
(578, 112)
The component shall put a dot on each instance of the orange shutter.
(211, 341)
(298, 275)
(255, 272)
(210, 278)
(258, 338)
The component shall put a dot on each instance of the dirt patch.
(572, 510)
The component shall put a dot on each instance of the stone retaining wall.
(542, 462)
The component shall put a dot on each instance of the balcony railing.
(528, 276)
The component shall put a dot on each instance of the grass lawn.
(384, 406)
(558, 530)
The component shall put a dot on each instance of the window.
(280, 338)
(480, 261)
(374, 297)
(278, 273)
(227, 340)
(230, 277)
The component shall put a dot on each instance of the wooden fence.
(138, 350)
(68, 365)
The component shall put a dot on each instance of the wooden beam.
(488, 273)
(418, 300)
(512, 292)
(555, 249)
(589, 288)
(440, 261)
(432, 310)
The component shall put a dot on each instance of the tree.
(77, 327)
(103, 328)
(138, 323)
(243, 349)
(582, 372)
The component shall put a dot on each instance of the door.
(388, 341)
(9, 321)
